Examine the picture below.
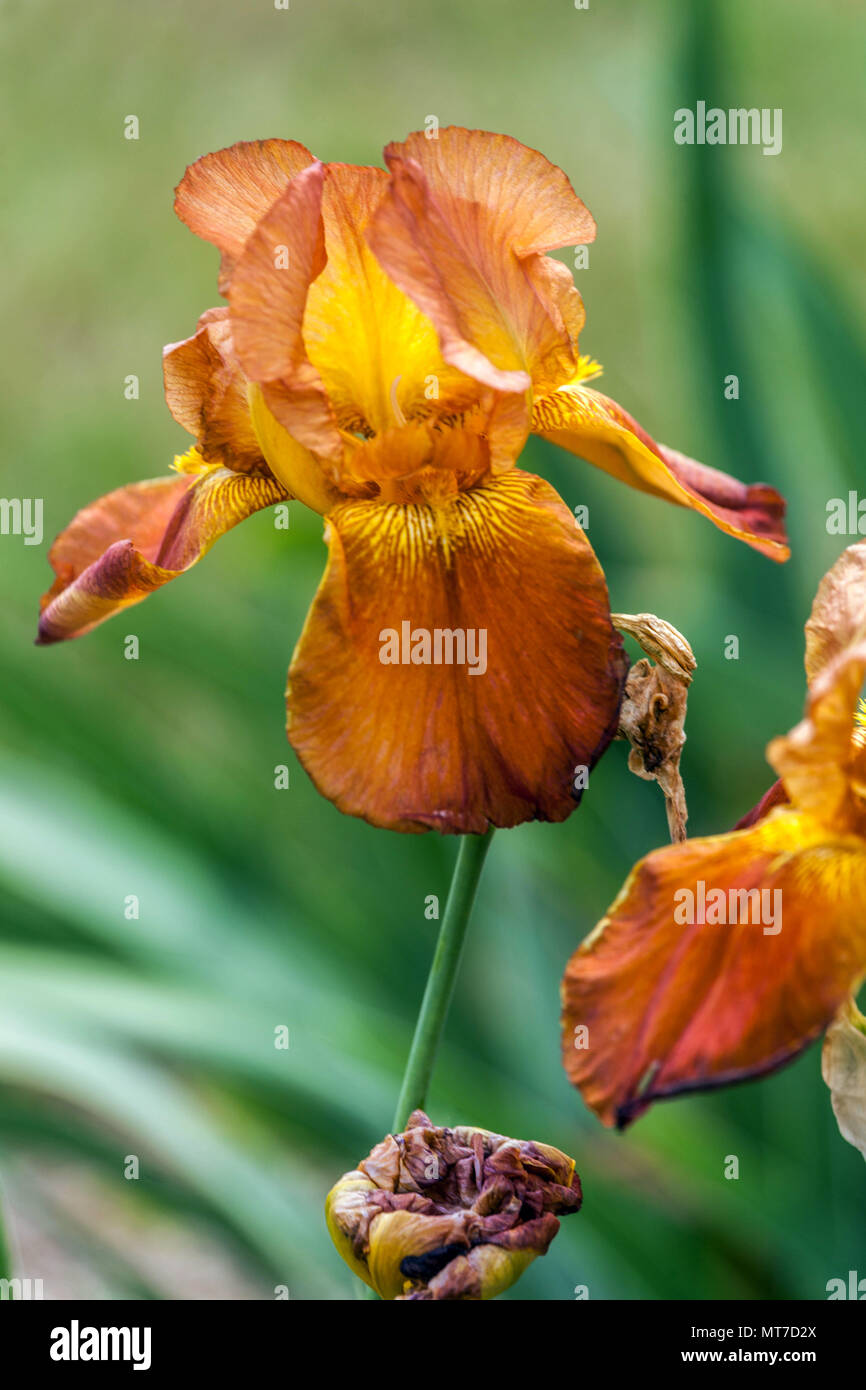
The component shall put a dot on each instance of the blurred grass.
(260, 908)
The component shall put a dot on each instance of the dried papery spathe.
(653, 712)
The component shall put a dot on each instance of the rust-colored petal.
(377, 353)
(655, 1005)
(119, 549)
(224, 195)
(413, 746)
(588, 423)
(268, 299)
(335, 345)
(819, 761)
(462, 232)
(838, 616)
(206, 391)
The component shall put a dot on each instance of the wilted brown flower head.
(449, 1213)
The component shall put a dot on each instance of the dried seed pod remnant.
(449, 1214)
(653, 712)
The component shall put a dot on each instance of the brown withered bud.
(653, 712)
(449, 1214)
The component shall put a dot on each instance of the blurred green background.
(262, 908)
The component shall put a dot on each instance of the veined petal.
(224, 195)
(122, 547)
(688, 984)
(504, 577)
(554, 284)
(268, 298)
(838, 616)
(462, 230)
(588, 423)
(335, 345)
(819, 761)
(206, 392)
(376, 352)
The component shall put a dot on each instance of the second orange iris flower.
(723, 957)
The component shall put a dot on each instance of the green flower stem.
(5, 1253)
(443, 973)
(440, 982)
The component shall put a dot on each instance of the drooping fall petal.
(449, 1214)
(122, 547)
(689, 983)
(592, 425)
(462, 232)
(224, 195)
(206, 392)
(503, 573)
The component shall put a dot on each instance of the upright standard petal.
(338, 349)
(458, 665)
(820, 762)
(268, 300)
(463, 230)
(838, 617)
(377, 353)
(132, 541)
(713, 964)
(224, 195)
(206, 392)
(587, 423)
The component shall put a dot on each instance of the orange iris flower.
(390, 340)
(722, 958)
